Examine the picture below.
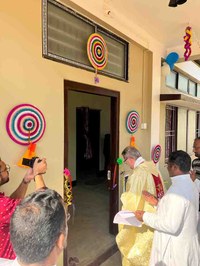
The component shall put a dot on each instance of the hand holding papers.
(126, 217)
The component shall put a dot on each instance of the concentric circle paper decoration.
(156, 153)
(97, 51)
(25, 123)
(132, 121)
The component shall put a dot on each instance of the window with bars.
(197, 124)
(65, 35)
(170, 130)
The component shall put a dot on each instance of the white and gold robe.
(135, 243)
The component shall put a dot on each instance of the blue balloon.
(171, 59)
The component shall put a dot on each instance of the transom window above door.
(65, 35)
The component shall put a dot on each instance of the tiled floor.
(89, 234)
(114, 260)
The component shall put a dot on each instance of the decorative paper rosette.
(25, 124)
(156, 153)
(97, 51)
(132, 121)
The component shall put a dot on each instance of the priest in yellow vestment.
(135, 243)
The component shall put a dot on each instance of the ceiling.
(154, 17)
(166, 24)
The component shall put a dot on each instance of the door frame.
(114, 133)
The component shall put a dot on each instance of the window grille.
(170, 130)
(65, 35)
(197, 124)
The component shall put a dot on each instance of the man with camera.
(9, 203)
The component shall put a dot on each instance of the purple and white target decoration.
(25, 123)
(132, 121)
(156, 153)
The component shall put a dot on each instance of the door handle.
(109, 175)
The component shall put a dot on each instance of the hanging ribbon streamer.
(67, 187)
(96, 79)
(29, 136)
(188, 42)
(132, 142)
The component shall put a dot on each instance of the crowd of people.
(33, 229)
(169, 234)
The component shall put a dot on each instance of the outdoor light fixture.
(174, 3)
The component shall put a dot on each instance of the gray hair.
(131, 152)
(36, 225)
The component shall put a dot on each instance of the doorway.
(90, 181)
(87, 141)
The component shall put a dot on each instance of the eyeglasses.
(6, 169)
(125, 160)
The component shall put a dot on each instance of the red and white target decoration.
(25, 123)
(156, 153)
(132, 121)
(97, 51)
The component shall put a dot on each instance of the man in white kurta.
(175, 221)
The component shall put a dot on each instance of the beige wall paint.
(162, 166)
(116, 22)
(26, 77)
(182, 129)
(186, 134)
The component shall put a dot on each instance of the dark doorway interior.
(87, 139)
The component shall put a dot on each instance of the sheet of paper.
(126, 217)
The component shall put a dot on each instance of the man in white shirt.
(175, 221)
(38, 230)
